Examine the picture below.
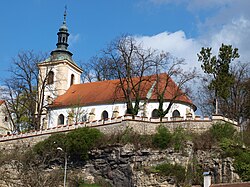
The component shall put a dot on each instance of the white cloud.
(177, 44)
(235, 33)
(194, 5)
(227, 22)
(73, 38)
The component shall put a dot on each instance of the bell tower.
(59, 71)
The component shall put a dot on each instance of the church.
(68, 101)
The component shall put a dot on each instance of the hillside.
(166, 158)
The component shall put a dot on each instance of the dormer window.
(50, 78)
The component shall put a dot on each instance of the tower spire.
(62, 40)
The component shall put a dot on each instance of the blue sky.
(180, 27)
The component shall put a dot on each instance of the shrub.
(173, 170)
(178, 139)
(195, 172)
(220, 131)
(203, 141)
(128, 136)
(242, 165)
(80, 141)
(75, 144)
(47, 149)
(162, 138)
(89, 185)
(246, 136)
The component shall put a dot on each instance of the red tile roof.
(107, 92)
(242, 184)
(1, 102)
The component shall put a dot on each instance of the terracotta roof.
(1, 102)
(242, 184)
(106, 92)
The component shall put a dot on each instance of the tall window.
(176, 113)
(50, 78)
(61, 119)
(84, 118)
(155, 113)
(72, 79)
(105, 115)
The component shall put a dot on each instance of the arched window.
(176, 113)
(72, 79)
(84, 118)
(50, 78)
(61, 119)
(155, 113)
(105, 115)
(43, 122)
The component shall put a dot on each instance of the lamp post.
(65, 166)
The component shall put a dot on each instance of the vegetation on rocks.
(45, 156)
(75, 144)
(175, 170)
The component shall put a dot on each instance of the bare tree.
(130, 63)
(98, 69)
(24, 96)
(235, 105)
(168, 90)
(135, 67)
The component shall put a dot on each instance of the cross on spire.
(65, 14)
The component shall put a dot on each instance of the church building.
(68, 101)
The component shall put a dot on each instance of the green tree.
(162, 138)
(237, 105)
(218, 67)
(75, 144)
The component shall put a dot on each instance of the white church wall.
(182, 108)
(80, 112)
(94, 112)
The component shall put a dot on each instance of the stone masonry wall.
(140, 125)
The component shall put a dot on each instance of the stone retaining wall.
(139, 124)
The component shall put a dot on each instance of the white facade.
(95, 112)
(5, 123)
(62, 76)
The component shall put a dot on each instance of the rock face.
(124, 166)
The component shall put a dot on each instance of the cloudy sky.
(180, 27)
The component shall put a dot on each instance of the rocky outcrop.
(128, 166)
(124, 166)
